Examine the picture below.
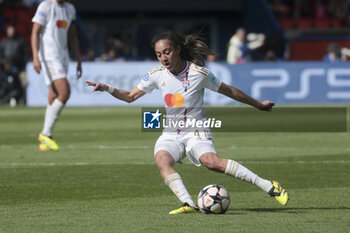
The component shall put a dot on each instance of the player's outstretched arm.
(127, 96)
(240, 96)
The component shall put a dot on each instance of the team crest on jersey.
(186, 84)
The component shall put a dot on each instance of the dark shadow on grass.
(305, 159)
(287, 210)
(243, 211)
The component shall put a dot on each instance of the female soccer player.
(53, 27)
(183, 75)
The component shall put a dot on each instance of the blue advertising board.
(281, 82)
(297, 83)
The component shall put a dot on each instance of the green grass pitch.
(104, 179)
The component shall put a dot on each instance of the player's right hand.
(37, 65)
(98, 86)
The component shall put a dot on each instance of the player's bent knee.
(163, 159)
(208, 160)
(52, 98)
(64, 96)
(211, 161)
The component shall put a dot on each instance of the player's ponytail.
(197, 50)
(193, 48)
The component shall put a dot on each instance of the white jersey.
(182, 93)
(56, 20)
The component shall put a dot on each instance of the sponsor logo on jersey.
(152, 119)
(61, 24)
(174, 100)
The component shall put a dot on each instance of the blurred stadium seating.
(304, 35)
(20, 18)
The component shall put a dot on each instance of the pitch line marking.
(104, 147)
(101, 147)
(152, 163)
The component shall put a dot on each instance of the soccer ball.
(213, 199)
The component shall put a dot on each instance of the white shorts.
(54, 69)
(191, 144)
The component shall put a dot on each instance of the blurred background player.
(53, 28)
(237, 47)
(183, 74)
(242, 49)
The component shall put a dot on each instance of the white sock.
(51, 115)
(237, 170)
(174, 182)
(265, 185)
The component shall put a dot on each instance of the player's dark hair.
(193, 48)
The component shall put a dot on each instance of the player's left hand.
(97, 86)
(267, 105)
(79, 70)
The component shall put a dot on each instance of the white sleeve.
(74, 17)
(41, 14)
(212, 82)
(147, 84)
